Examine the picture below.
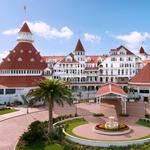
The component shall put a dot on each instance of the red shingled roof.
(142, 51)
(19, 81)
(121, 46)
(79, 46)
(94, 58)
(142, 78)
(110, 88)
(25, 28)
(31, 58)
(73, 59)
(52, 57)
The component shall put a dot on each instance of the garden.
(37, 137)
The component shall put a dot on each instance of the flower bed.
(121, 127)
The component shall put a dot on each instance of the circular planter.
(112, 132)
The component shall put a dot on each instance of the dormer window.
(20, 59)
(32, 59)
(88, 59)
(29, 51)
(68, 60)
(8, 59)
(21, 51)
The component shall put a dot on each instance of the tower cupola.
(25, 34)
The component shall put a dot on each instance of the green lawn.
(73, 124)
(6, 111)
(143, 123)
(44, 147)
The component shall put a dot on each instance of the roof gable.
(79, 46)
(110, 88)
(128, 52)
(25, 28)
(73, 59)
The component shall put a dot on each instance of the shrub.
(147, 116)
(57, 134)
(16, 103)
(35, 133)
(98, 114)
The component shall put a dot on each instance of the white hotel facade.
(24, 67)
(87, 73)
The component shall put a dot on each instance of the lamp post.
(27, 108)
(76, 109)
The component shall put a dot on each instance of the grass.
(6, 111)
(74, 123)
(43, 147)
(143, 122)
(71, 125)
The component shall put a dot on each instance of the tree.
(51, 91)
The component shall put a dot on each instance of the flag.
(24, 8)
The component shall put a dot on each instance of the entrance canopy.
(110, 88)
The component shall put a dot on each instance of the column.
(124, 105)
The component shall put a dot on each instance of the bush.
(16, 103)
(98, 114)
(57, 134)
(35, 133)
(147, 116)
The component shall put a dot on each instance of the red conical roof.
(25, 28)
(23, 56)
(142, 51)
(142, 78)
(79, 46)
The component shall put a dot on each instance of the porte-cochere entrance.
(113, 94)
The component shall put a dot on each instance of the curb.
(21, 115)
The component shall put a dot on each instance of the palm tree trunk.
(50, 121)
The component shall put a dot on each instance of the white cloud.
(10, 31)
(3, 54)
(91, 37)
(44, 30)
(133, 39)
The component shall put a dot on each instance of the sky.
(58, 24)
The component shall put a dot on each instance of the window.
(1, 91)
(144, 91)
(20, 59)
(8, 59)
(121, 59)
(10, 91)
(21, 51)
(32, 59)
(113, 59)
(29, 51)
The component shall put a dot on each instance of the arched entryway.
(112, 92)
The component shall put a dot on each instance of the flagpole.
(25, 12)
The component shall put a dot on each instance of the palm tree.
(51, 91)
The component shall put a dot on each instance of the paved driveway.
(12, 129)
